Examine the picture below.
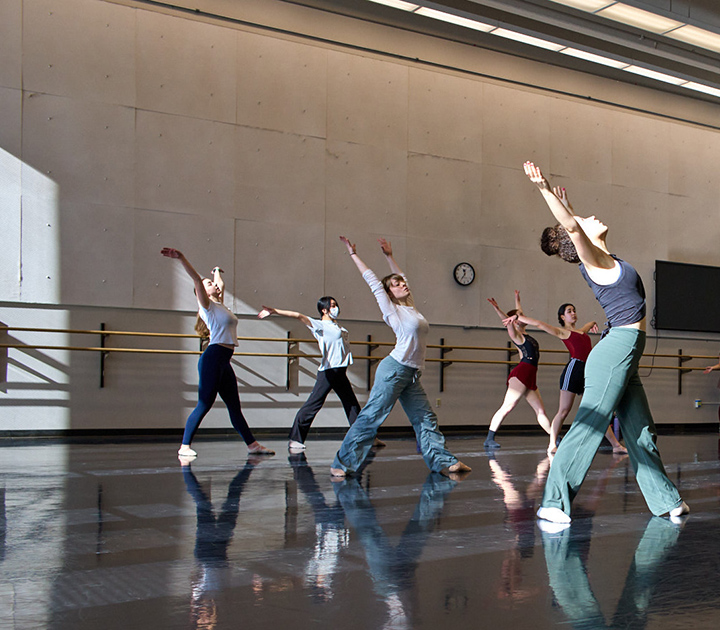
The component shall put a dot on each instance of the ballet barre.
(292, 353)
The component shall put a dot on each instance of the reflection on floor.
(123, 536)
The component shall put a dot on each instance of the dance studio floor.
(122, 536)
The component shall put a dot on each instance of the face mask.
(334, 312)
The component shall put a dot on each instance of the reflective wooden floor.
(123, 536)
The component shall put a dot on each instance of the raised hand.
(386, 246)
(561, 194)
(350, 246)
(510, 320)
(266, 312)
(493, 302)
(536, 176)
(170, 252)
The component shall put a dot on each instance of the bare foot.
(186, 451)
(619, 450)
(337, 472)
(258, 449)
(457, 471)
(377, 443)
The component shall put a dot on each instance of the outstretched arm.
(362, 267)
(518, 306)
(561, 209)
(386, 248)
(544, 326)
(501, 314)
(268, 310)
(590, 327)
(710, 368)
(202, 297)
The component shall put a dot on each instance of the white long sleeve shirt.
(408, 324)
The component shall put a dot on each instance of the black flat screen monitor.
(687, 297)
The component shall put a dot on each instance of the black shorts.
(573, 377)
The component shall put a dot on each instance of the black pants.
(333, 379)
(217, 377)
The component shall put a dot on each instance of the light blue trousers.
(612, 384)
(393, 382)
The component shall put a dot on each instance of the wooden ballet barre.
(292, 356)
(284, 355)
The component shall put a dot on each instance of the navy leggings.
(217, 377)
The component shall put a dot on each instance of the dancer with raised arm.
(572, 379)
(612, 382)
(216, 373)
(397, 377)
(332, 373)
(522, 381)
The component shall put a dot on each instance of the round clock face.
(464, 273)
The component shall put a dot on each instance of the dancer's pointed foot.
(294, 445)
(258, 449)
(457, 471)
(186, 451)
(553, 514)
(619, 450)
(378, 443)
(338, 473)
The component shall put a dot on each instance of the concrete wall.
(126, 128)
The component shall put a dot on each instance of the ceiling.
(568, 26)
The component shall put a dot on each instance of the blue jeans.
(393, 382)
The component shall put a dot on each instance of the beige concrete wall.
(126, 129)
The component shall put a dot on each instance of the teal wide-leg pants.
(612, 384)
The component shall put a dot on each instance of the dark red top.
(579, 345)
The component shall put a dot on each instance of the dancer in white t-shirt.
(332, 373)
(216, 373)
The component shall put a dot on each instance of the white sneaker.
(553, 514)
(296, 446)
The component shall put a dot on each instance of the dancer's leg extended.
(535, 401)
(341, 386)
(210, 369)
(229, 393)
(306, 414)
(638, 427)
(416, 405)
(607, 373)
(391, 378)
